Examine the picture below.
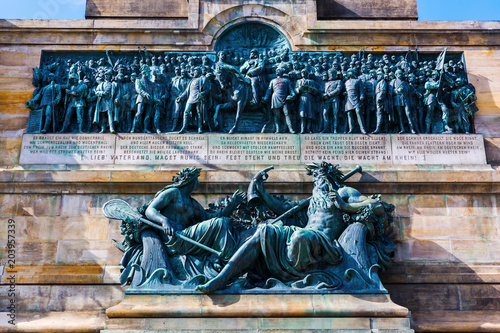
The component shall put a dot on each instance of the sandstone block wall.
(447, 226)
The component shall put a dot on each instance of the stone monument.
(248, 249)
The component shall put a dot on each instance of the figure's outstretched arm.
(353, 207)
(277, 206)
(154, 208)
(238, 197)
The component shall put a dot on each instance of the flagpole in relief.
(439, 67)
(408, 60)
(462, 60)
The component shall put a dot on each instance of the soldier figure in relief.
(105, 93)
(179, 85)
(381, 91)
(306, 89)
(354, 100)
(132, 107)
(160, 95)
(463, 98)
(121, 101)
(76, 96)
(370, 102)
(281, 93)
(417, 101)
(49, 96)
(331, 96)
(213, 98)
(431, 87)
(253, 69)
(144, 89)
(402, 102)
(195, 93)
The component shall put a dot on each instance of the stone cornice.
(436, 180)
(157, 24)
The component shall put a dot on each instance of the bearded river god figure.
(334, 241)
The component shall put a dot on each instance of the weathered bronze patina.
(334, 241)
(254, 83)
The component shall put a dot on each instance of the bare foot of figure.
(211, 286)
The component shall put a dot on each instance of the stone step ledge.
(456, 321)
(281, 174)
(256, 305)
(260, 325)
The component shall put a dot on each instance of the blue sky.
(428, 9)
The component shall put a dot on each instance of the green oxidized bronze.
(253, 83)
(334, 241)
